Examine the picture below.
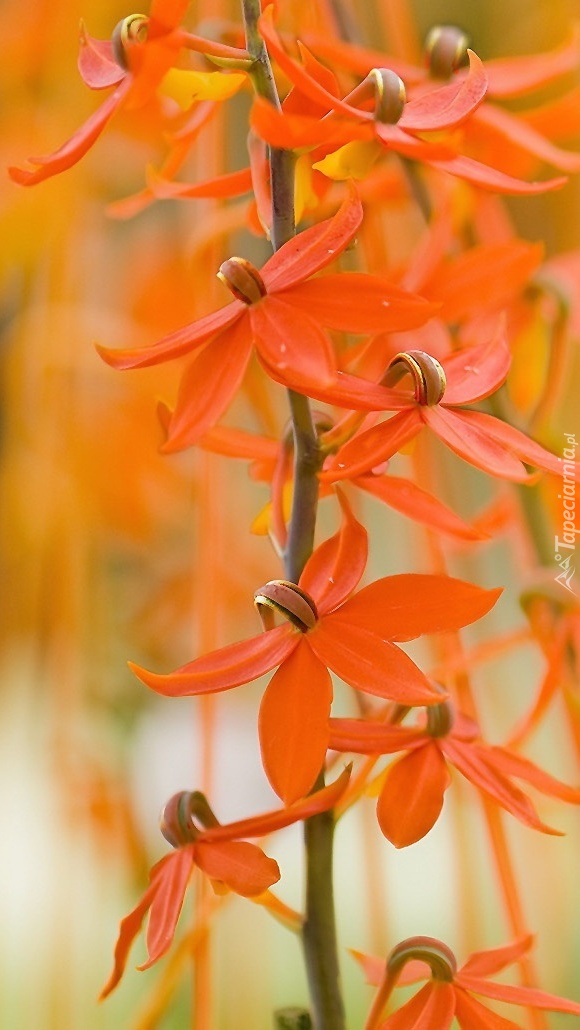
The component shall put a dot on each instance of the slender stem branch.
(307, 462)
(319, 930)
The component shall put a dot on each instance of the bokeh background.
(107, 553)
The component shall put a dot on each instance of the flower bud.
(428, 374)
(390, 95)
(242, 279)
(437, 955)
(446, 50)
(440, 719)
(279, 595)
(130, 30)
(177, 817)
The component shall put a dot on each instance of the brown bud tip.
(390, 93)
(428, 374)
(175, 822)
(178, 817)
(130, 30)
(242, 279)
(426, 949)
(289, 600)
(440, 718)
(446, 50)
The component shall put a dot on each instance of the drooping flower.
(190, 826)
(413, 787)
(449, 993)
(280, 310)
(327, 629)
(139, 62)
(468, 376)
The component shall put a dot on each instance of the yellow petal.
(186, 86)
(305, 199)
(262, 524)
(529, 364)
(353, 161)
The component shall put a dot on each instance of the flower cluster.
(405, 348)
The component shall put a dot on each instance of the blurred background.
(110, 551)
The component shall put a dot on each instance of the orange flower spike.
(138, 61)
(189, 825)
(481, 439)
(327, 629)
(448, 995)
(281, 311)
(412, 792)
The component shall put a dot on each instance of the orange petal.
(448, 105)
(172, 876)
(358, 303)
(515, 76)
(471, 440)
(315, 248)
(362, 736)
(228, 667)
(243, 867)
(412, 795)
(298, 74)
(177, 343)
(516, 765)
(131, 925)
(493, 960)
(293, 723)
(479, 769)
(528, 996)
(405, 606)
(410, 500)
(433, 1006)
(519, 444)
(207, 387)
(77, 146)
(370, 664)
(293, 347)
(96, 62)
(269, 822)
(491, 179)
(371, 448)
(471, 1013)
(495, 271)
(231, 184)
(336, 566)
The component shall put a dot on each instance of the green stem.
(319, 930)
(307, 462)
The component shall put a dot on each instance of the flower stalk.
(319, 926)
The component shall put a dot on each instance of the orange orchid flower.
(327, 629)
(465, 377)
(403, 495)
(139, 61)
(281, 310)
(412, 792)
(396, 125)
(449, 994)
(492, 132)
(218, 851)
